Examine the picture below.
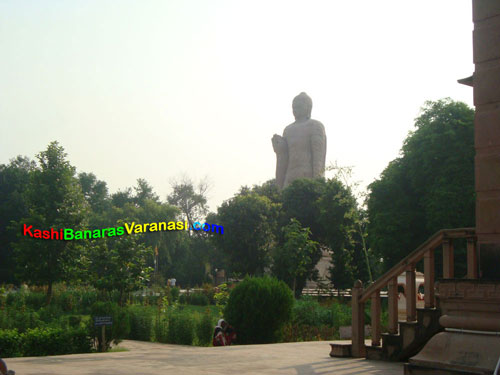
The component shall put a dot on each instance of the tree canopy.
(55, 201)
(429, 187)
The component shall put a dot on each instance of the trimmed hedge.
(44, 341)
(258, 308)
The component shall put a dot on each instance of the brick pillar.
(486, 16)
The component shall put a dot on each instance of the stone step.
(391, 345)
(411, 338)
(412, 335)
(374, 353)
(408, 332)
(340, 350)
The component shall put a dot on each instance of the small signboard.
(103, 321)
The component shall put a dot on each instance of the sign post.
(103, 321)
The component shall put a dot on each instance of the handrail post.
(375, 312)
(411, 294)
(429, 274)
(471, 258)
(392, 293)
(358, 321)
(448, 262)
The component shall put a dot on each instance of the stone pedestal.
(471, 341)
(456, 353)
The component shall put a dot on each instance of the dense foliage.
(44, 341)
(249, 224)
(296, 259)
(258, 308)
(49, 194)
(55, 200)
(429, 187)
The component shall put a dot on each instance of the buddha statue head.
(302, 107)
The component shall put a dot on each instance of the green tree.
(122, 197)
(248, 232)
(294, 262)
(338, 209)
(191, 200)
(191, 260)
(94, 191)
(55, 201)
(363, 257)
(144, 192)
(268, 189)
(429, 187)
(119, 264)
(14, 179)
(329, 209)
(170, 244)
(300, 201)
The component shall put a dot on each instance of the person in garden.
(224, 334)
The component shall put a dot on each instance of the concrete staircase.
(409, 341)
(411, 338)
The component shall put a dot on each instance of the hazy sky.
(157, 89)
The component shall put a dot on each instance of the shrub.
(152, 300)
(65, 300)
(198, 299)
(50, 313)
(141, 323)
(180, 329)
(308, 311)
(209, 291)
(174, 292)
(161, 328)
(204, 329)
(74, 320)
(257, 308)
(55, 341)
(12, 318)
(222, 295)
(10, 343)
(341, 315)
(3, 297)
(78, 340)
(15, 299)
(44, 341)
(183, 299)
(35, 300)
(87, 299)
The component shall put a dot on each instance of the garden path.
(145, 358)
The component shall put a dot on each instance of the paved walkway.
(144, 358)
